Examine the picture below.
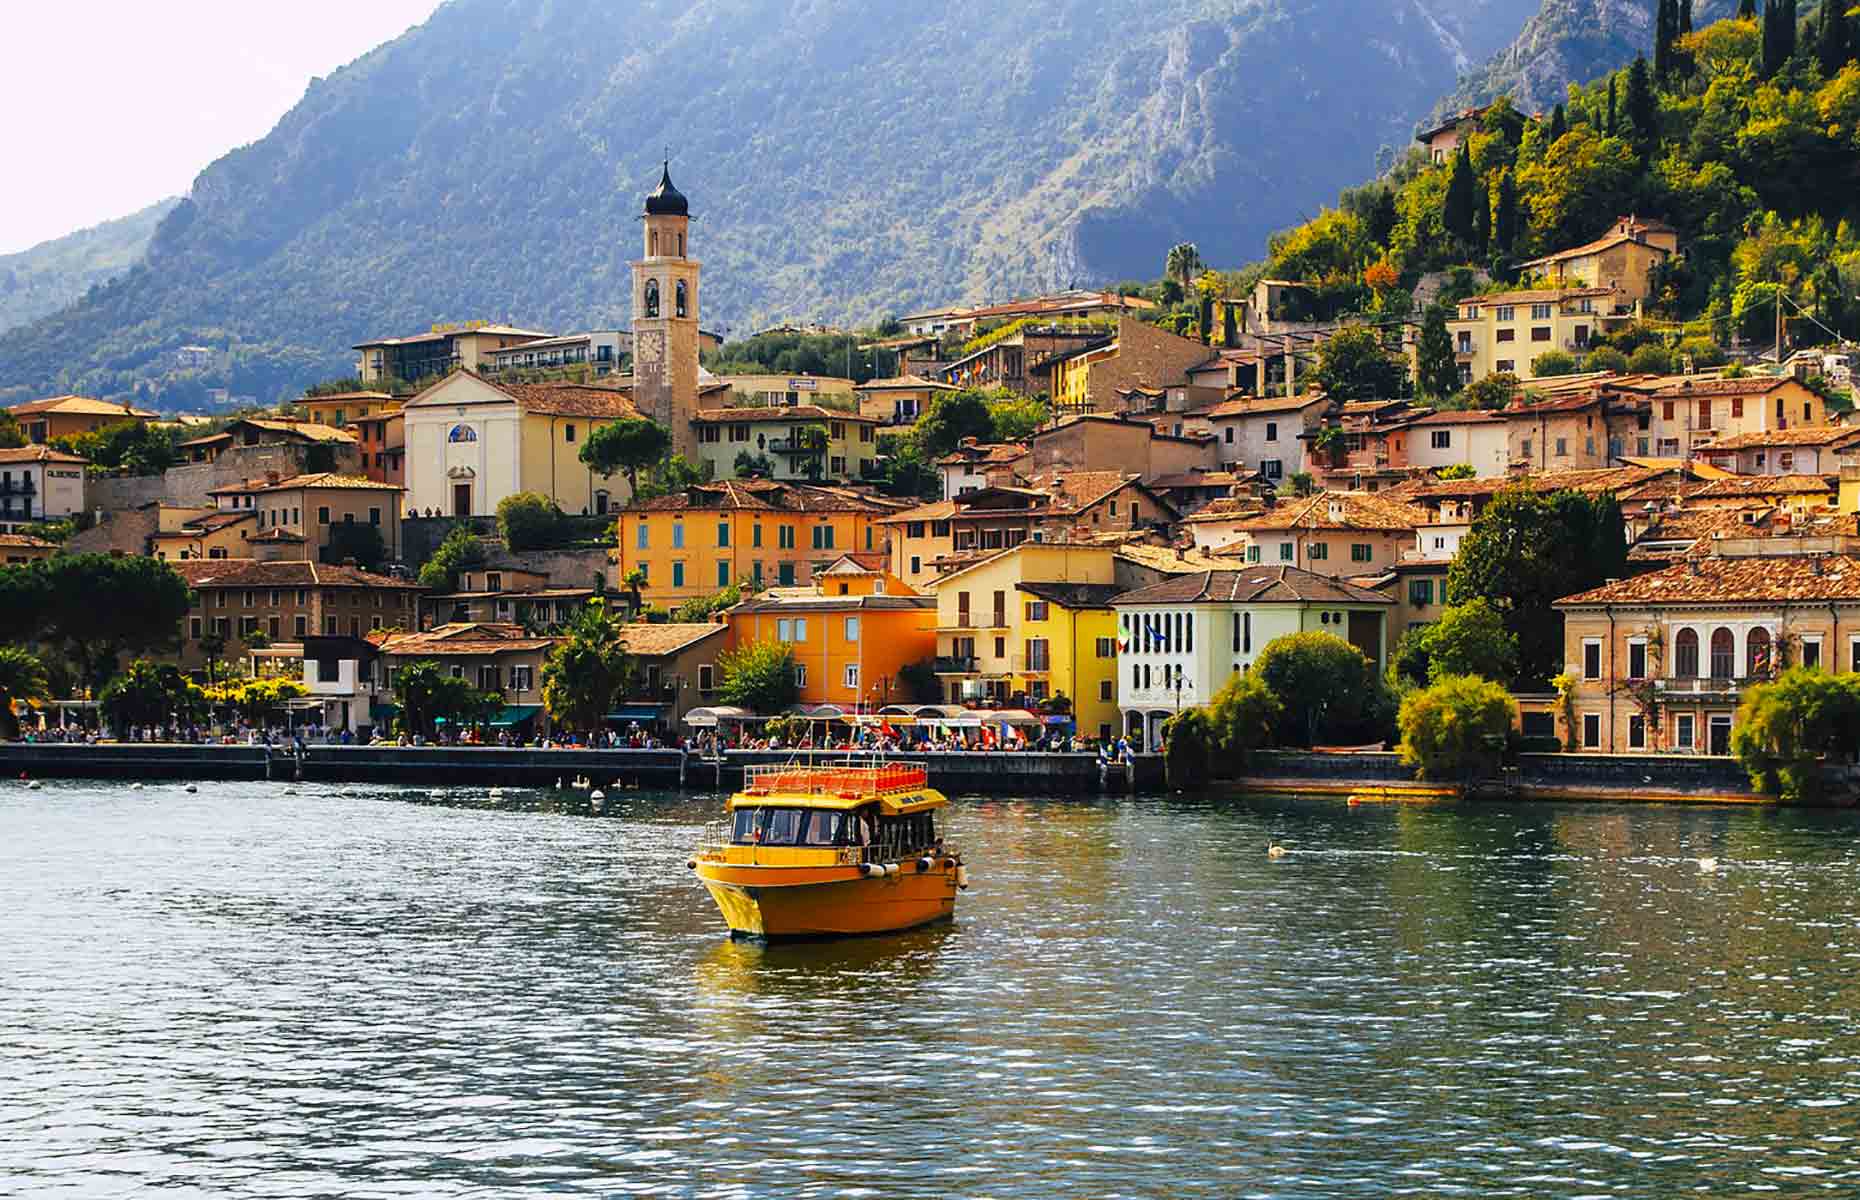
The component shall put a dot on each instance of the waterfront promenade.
(1659, 778)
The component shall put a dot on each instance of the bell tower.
(665, 317)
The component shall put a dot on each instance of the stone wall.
(124, 531)
(1634, 772)
(121, 493)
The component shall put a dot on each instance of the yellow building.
(337, 409)
(471, 442)
(1504, 333)
(1029, 624)
(900, 401)
(67, 416)
(1621, 260)
(850, 646)
(803, 441)
(760, 532)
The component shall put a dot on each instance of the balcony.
(794, 446)
(18, 487)
(1708, 687)
(957, 664)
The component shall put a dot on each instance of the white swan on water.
(1274, 850)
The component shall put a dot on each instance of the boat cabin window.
(787, 827)
(823, 828)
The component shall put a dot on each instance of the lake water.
(367, 992)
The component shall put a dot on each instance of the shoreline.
(1367, 778)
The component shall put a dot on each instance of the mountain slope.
(52, 274)
(1568, 41)
(844, 160)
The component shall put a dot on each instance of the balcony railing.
(956, 664)
(18, 487)
(791, 446)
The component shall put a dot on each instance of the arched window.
(652, 297)
(1686, 654)
(1723, 653)
(681, 301)
(1757, 654)
(462, 433)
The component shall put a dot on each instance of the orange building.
(67, 416)
(695, 542)
(849, 646)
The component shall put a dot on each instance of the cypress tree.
(1437, 372)
(1457, 209)
(1559, 125)
(1746, 9)
(1610, 129)
(1835, 45)
(1788, 23)
(1685, 17)
(1482, 214)
(1682, 59)
(1230, 336)
(1505, 214)
(1643, 114)
(1663, 21)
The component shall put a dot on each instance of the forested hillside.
(844, 159)
(1744, 134)
(53, 274)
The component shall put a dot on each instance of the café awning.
(710, 718)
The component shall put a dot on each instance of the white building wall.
(1482, 446)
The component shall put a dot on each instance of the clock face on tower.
(650, 345)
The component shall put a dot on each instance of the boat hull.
(773, 902)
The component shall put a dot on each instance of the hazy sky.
(115, 104)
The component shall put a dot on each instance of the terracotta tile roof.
(1598, 479)
(464, 637)
(25, 541)
(1754, 580)
(1246, 406)
(938, 510)
(769, 412)
(1226, 508)
(1171, 560)
(1337, 510)
(247, 572)
(39, 454)
(1673, 535)
(984, 452)
(330, 479)
(283, 536)
(593, 401)
(1470, 416)
(1697, 385)
(1253, 585)
(217, 520)
(858, 563)
(82, 406)
(441, 335)
(906, 382)
(766, 495)
(653, 641)
(1607, 242)
(309, 431)
(343, 397)
(1536, 296)
(1807, 435)
(1766, 485)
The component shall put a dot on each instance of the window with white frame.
(800, 675)
(1591, 658)
(1685, 731)
(1637, 731)
(852, 676)
(1441, 439)
(1591, 731)
(1637, 658)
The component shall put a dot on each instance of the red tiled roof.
(1745, 385)
(1766, 485)
(770, 412)
(1808, 435)
(1753, 580)
(39, 454)
(247, 572)
(1357, 510)
(1253, 585)
(464, 637)
(1246, 406)
(653, 641)
(82, 406)
(767, 496)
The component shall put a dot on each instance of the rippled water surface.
(244, 992)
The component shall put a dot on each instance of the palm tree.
(635, 582)
(1183, 264)
(22, 677)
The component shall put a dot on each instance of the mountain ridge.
(44, 278)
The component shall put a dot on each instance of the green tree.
(1559, 125)
(1016, 420)
(1437, 372)
(22, 679)
(1330, 693)
(1455, 728)
(1353, 365)
(1526, 551)
(460, 550)
(675, 474)
(1183, 264)
(148, 693)
(1834, 46)
(1746, 9)
(1245, 714)
(1456, 211)
(131, 447)
(626, 447)
(952, 417)
(1651, 359)
(1470, 638)
(1610, 128)
(759, 677)
(1505, 214)
(1785, 729)
(1643, 110)
(1605, 358)
(213, 649)
(1494, 392)
(1552, 363)
(428, 694)
(530, 520)
(99, 607)
(1457, 471)
(1189, 748)
(587, 670)
(1703, 352)
(1665, 29)
(11, 435)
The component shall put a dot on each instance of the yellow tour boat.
(830, 851)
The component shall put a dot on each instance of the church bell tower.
(665, 318)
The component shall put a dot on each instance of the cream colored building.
(438, 352)
(1505, 333)
(1622, 260)
(38, 483)
(786, 442)
(1332, 533)
(1691, 414)
(471, 442)
(899, 401)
